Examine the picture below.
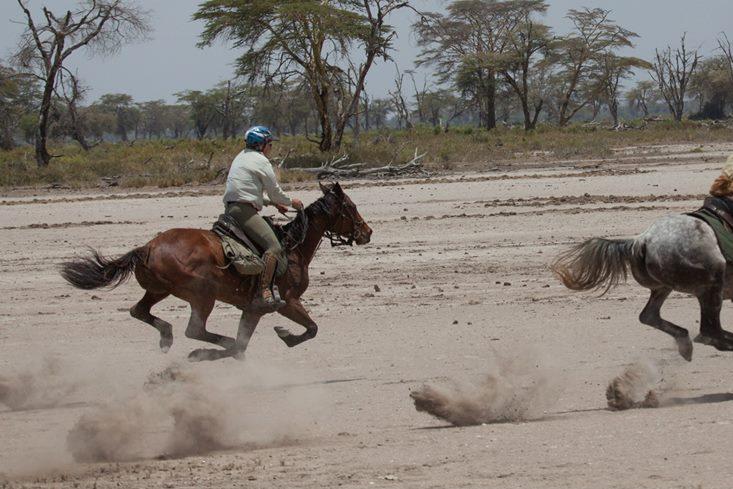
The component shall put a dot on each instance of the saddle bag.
(241, 258)
(239, 251)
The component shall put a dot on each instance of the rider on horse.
(250, 175)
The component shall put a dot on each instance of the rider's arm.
(274, 192)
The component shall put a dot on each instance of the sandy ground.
(464, 295)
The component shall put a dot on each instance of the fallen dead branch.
(338, 168)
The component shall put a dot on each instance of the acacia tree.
(673, 70)
(18, 95)
(202, 109)
(615, 69)
(464, 45)
(579, 79)
(95, 25)
(122, 107)
(713, 87)
(519, 66)
(641, 96)
(308, 39)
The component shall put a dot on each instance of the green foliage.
(167, 163)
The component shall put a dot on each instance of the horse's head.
(345, 222)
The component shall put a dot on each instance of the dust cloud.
(44, 386)
(639, 386)
(514, 389)
(183, 411)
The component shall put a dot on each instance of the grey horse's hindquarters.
(680, 252)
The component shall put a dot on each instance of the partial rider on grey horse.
(250, 176)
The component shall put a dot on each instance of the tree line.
(304, 65)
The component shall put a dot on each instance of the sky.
(170, 61)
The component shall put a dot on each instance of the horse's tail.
(597, 264)
(95, 271)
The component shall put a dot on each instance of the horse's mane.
(294, 231)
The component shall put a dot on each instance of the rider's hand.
(281, 209)
(297, 204)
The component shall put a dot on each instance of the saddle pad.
(722, 233)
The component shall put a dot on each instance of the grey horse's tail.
(95, 271)
(597, 264)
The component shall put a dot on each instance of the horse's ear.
(337, 189)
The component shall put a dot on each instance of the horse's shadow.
(663, 403)
(704, 399)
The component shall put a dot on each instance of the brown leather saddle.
(227, 226)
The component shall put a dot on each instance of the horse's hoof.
(684, 345)
(719, 344)
(282, 332)
(201, 355)
(165, 344)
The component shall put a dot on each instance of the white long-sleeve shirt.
(251, 173)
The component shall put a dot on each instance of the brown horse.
(190, 264)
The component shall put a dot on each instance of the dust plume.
(180, 412)
(638, 386)
(43, 386)
(516, 389)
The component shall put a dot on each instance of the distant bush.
(167, 163)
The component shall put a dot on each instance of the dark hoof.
(165, 343)
(208, 355)
(684, 345)
(287, 337)
(718, 343)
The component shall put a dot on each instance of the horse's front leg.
(295, 311)
(247, 325)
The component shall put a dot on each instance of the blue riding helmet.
(258, 136)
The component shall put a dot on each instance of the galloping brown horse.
(190, 264)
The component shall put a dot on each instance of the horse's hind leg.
(651, 316)
(196, 330)
(141, 311)
(711, 333)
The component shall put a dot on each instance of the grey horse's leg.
(651, 317)
(141, 311)
(295, 311)
(711, 333)
(196, 330)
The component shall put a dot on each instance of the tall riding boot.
(267, 301)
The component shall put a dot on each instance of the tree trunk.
(613, 109)
(491, 102)
(43, 158)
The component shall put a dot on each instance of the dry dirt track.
(462, 273)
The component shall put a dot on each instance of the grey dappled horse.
(676, 253)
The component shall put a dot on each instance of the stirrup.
(270, 304)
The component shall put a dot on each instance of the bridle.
(356, 224)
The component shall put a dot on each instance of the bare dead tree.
(398, 102)
(673, 70)
(71, 91)
(725, 46)
(98, 26)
